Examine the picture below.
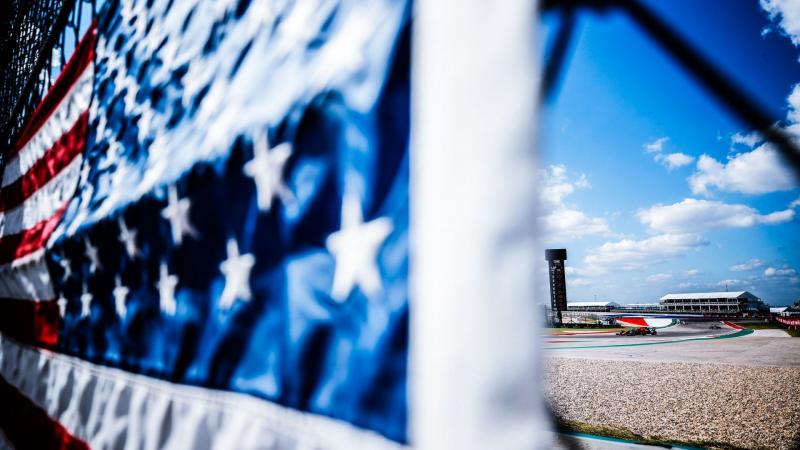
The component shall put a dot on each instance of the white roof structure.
(709, 295)
(593, 304)
(778, 310)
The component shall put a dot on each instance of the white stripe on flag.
(44, 203)
(475, 365)
(29, 280)
(110, 408)
(62, 120)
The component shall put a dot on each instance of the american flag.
(40, 175)
(226, 226)
(213, 223)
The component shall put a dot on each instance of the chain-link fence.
(36, 40)
(717, 84)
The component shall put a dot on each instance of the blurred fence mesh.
(36, 39)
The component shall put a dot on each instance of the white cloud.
(693, 215)
(669, 160)
(795, 203)
(692, 273)
(749, 265)
(749, 139)
(565, 223)
(776, 217)
(580, 282)
(782, 272)
(787, 13)
(674, 160)
(658, 277)
(630, 254)
(730, 283)
(757, 172)
(656, 146)
(794, 105)
(560, 221)
(555, 185)
(688, 284)
(761, 170)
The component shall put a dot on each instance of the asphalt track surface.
(690, 342)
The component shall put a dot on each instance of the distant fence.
(791, 322)
(580, 319)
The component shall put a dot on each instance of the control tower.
(558, 284)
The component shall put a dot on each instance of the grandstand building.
(723, 303)
(787, 311)
(641, 308)
(794, 310)
(779, 311)
(592, 306)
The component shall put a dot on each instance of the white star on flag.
(129, 104)
(44, 278)
(86, 302)
(177, 213)
(236, 269)
(294, 31)
(343, 54)
(64, 263)
(62, 306)
(120, 293)
(128, 238)
(93, 255)
(101, 125)
(146, 121)
(266, 170)
(166, 290)
(355, 248)
(262, 14)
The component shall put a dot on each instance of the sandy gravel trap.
(739, 406)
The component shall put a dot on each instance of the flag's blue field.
(241, 217)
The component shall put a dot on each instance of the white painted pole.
(475, 362)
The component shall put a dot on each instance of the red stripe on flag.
(45, 169)
(16, 246)
(83, 56)
(29, 321)
(26, 426)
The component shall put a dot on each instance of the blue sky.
(650, 184)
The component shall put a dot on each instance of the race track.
(690, 342)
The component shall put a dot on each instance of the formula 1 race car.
(643, 331)
(630, 332)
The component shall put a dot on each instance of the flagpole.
(474, 361)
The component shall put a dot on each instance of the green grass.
(622, 433)
(767, 326)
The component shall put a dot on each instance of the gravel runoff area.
(739, 406)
